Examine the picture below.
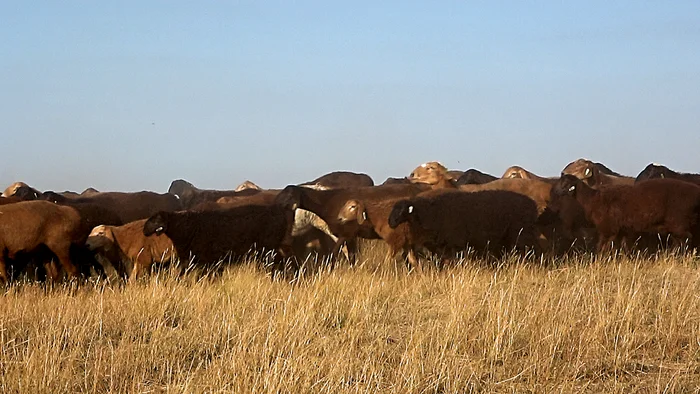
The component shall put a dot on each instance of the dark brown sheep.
(474, 177)
(595, 175)
(622, 213)
(209, 236)
(654, 171)
(28, 226)
(342, 179)
(396, 181)
(492, 222)
(128, 206)
(127, 245)
(191, 196)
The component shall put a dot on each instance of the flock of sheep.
(435, 210)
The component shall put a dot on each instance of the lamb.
(654, 170)
(490, 222)
(127, 244)
(657, 206)
(210, 236)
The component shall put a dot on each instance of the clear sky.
(129, 95)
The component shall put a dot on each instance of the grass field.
(583, 325)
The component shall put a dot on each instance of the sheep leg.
(3, 270)
(605, 243)
(62, 252)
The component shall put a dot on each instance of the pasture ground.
(581, 325)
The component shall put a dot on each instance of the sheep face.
(101, 238)
(352, 210)
(53, 197)
(567, 185)
(10, 191)
(431, 173)
(156, 224)
(654, 170)
(401, 212)
(516, 172)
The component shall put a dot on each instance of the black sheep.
(490, 222)
(209, 236)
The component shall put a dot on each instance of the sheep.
(373, 216)
(127, 244)
(490, 222)
(519, 172)
(209, 236)
(191, 196)
(128, 206)
(328, 203)
(657, 206)
(595, 175)
(25, 191)
(654, 170)
(396, 181)
(342, 179)
(30, 225)
(247, 185)
(433, 173)
(474, 177)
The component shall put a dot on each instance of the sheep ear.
(362, 215)
(410, 209)
(572, 188)
(588, 172)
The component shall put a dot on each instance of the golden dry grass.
(618, 325)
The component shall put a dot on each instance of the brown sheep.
(519, 172)
(432, 173)
(490, 222)
(595, 174)
(341, 180)
(127, 244)
(21, 186)
(654, 170)
(210, 236)
(27, 226)
(247, 185)
(373, 216)
(658, 206)
(474, 177)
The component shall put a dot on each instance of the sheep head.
(352, 210)
(430, 173)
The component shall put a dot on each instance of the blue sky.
(130, 95)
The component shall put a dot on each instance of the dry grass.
(620, 325)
